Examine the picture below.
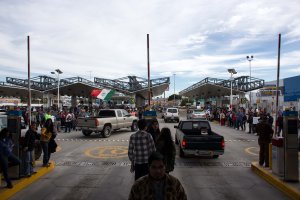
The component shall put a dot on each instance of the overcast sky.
(108, 39)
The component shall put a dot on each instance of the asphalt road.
(98, 168)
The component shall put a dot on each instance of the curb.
(24, 182)
(284, 187)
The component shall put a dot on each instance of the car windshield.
(172, 110)
(194, 127)
(199, 112)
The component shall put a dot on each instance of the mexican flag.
(104, 94)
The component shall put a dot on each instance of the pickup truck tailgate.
(204, 142)
(87, 122)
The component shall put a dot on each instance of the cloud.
(195, 40)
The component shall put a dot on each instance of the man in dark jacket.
(250, 121)
(265, 133)
(29, 143)
(157, 184)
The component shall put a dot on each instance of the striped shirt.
(141, 145)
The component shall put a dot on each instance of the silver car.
(196, 114)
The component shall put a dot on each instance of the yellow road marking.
(251, 149)
(24, 182)
(107, 152)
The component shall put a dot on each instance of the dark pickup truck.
(196, 137)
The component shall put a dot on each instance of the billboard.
(291, 88)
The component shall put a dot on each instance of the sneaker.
(9, 186)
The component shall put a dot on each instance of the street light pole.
(250, 58)
(174, 88)
(231, 71)
(58, 72)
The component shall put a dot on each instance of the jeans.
(4, 165)
(250, 127)
(68, 127)
(45, 152)
(28, 168)
(264, 154)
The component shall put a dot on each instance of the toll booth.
(290, 134)
(14, 126)
(278, 156)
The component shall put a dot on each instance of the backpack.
(45, 135)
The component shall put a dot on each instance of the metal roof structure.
(135, 85)
(7, 89)
(77, 86)
(212, 87)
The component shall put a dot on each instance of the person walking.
(165, 145)
(157, 184)
(250, 121)
(265, 133)
(270, 119)
(6, 155)
(279, 124)
(141, 145)
(153, 129)
(52, 145)
(46, 135)
(68, 122)
(29, 143)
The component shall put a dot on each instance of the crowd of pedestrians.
(45, 137)
(243, 120)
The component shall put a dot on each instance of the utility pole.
(277, 83)
(174, 88)
(250, 58)
(29, 86)
(148, 61)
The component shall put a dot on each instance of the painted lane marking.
(107, 152)
(252, 151)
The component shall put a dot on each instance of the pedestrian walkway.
(291, 189)
(24, 182)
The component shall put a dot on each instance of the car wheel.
(106, 131)
(181, 153)
(215, 156)
(86, 132)
(134, 126)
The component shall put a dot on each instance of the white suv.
(171, 114)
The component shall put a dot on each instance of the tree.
(171, 98)
(184, 101)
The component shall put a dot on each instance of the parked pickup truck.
(107, 121)
(196, 137)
